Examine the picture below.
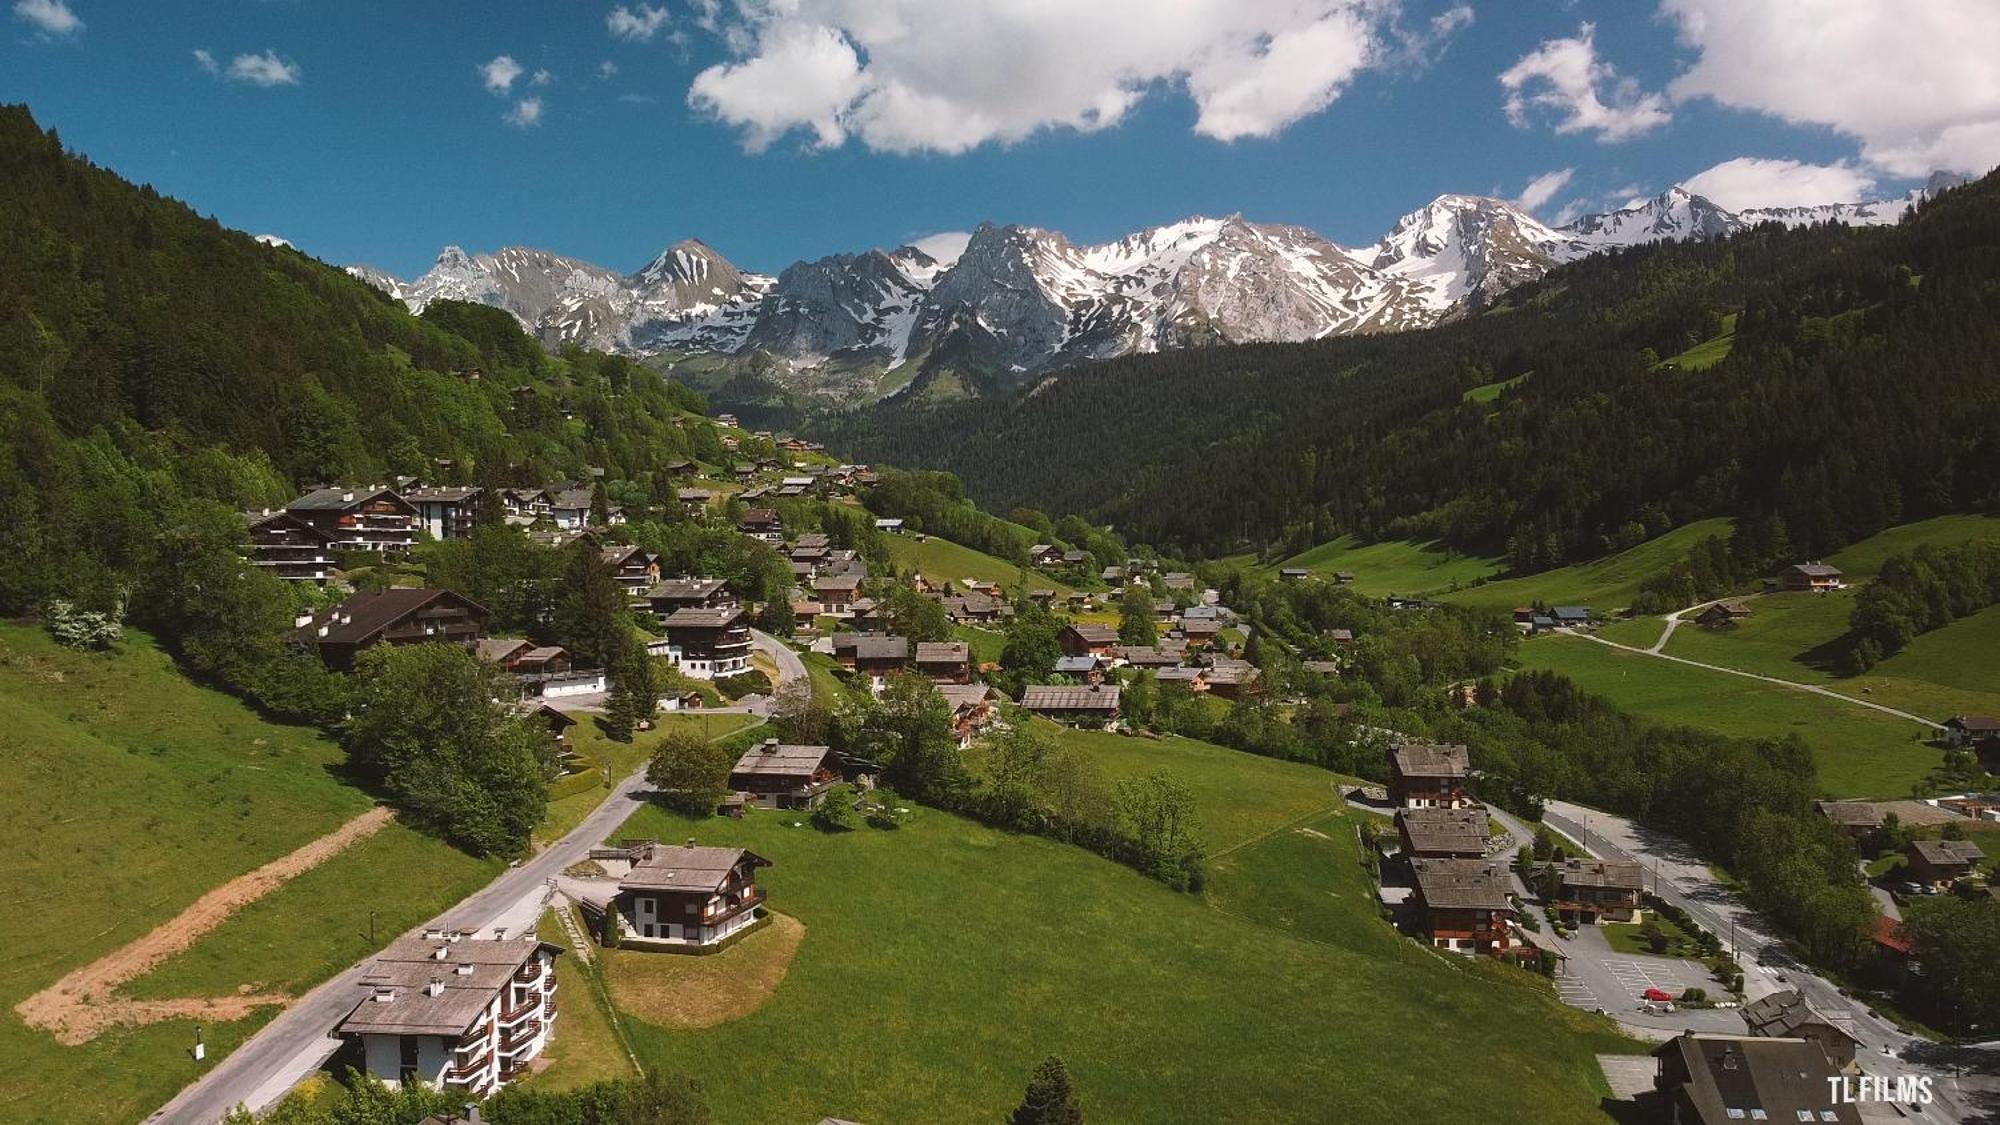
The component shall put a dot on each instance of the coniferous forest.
(1859, 392)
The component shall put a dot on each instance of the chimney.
(499, 933)
(347, 497)
(440, 952)
(436, 987)
(302, 620)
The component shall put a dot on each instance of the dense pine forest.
(1859, 391)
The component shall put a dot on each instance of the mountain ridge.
(1022, 300)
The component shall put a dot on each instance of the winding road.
(289, 1048)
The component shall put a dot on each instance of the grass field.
(984, 643)
(130, 792)
(1605, 584)
(937, 558)
(1392, 566)
(622, 758)
(1709, 352)
(1864, 559)
(585, 1048)
(1239, 796)
(961, 956)
(1490, 392)
(1861, 753)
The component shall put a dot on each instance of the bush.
(89, 630)
(836, 812)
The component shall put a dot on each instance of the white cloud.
(266, 69)
(52, 18)
(1916, 83)
(541, 78)
(915, 75)
(1543, 188)
(499, 75)
(526, 113)
(1750, 181)
(607, 69)
(945, 245)
(638, 23)
(206, 62)
(1587, 96)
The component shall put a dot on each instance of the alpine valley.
(1020, 301)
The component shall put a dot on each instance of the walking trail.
(85, 1004)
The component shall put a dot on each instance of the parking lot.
(1594, 976)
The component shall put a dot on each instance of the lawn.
(1861, 753)
(131, 791)
(943, 960)
(622, 758)
(1490, 392)
(1605, 584)
(1792, 636)
(937, 559)
(585, 1048)
(1628, 937)
(1392, 566)
(1238, 796)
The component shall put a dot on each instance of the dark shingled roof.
(1782, 1014)
(1419, 759)
(404, 971)
(1056, 697)
(1471, 884)
(1618, 874)
(1851, 814)
(365, 614)
(672, 867)
(943, 652)
(776, 759)
(1455, 831)
(1779, 1078)
(695, 617)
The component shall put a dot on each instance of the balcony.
(512, 1016)
(529, 973)
(737, 906)
(511, 1042)
(468, 1073)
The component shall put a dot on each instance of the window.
(1759, 1115)
(1805, 1115)
(1735, 1114)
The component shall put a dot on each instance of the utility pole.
(371, 929)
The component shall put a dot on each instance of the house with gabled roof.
(1940, 863)
(774, 775)
(453, 1011)
(1463, 905)
(1814, 577)
(945, 662)
(1086, 639)
(1092, 706)
(1785, 1014)
(289, 548)
(1443, 833)
(397, 615)
(1422, 775)
(1727, 1079)
(359, 519)
(686, 897)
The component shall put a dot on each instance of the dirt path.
(84, 1004)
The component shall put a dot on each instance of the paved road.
(296, 1043)
(1681, 877)
(1815, 689)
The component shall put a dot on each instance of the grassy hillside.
(131, 792)
(1604, 584)
(1392, 566)
(1709, 352)
(1863, 559)
(1861, 753)
(961, 956)
(937, 558)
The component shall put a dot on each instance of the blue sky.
(368, 132)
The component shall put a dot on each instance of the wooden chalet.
(1853, 818)
(689, 593)
(709, 644)
(945, 662)
(875, 655)
(398, 615)
(1091, 706)
(1814, 577)
(1088, 640)
(359, 519)
(1596, 891)
(837, 592)
(1422, 775)
(1732, 1080)
(763, 524)
(289, 547)
(1972, 731)
(773, 775)
(637, 571)
(679, 897)
(450, 512)
(973, 709)
(1463, 905)
(695, 500)
(1940, 863)
(1787, 1015)
(1723, 614)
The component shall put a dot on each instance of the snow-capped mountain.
(1021, 300)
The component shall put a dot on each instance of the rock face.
(1021, 300)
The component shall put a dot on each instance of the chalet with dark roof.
(636, 569)
(945, 662)
(359, 519)
(1437, 833)
(1786, 1015)
(450, 512)
(1940, 863)
(837, 592)
(709, 644)
(1972, 731)
(773, 775)
(875, 655)
(689, 593)
(1084, 639)
(1853, 818)
(289, 548)
(398, 615)
(1814, 577)
(685, 896)
(1723, 614)
(1092, 706)
(1733, 1080)
(1596, 891)
(455, 1012)
(1463, 905)
(1422, 775)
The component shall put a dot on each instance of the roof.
(450, 495)
(838, 582)
(1813, 570)
(943, 652)
(1980, 723)
(1947, 852)
(359, 618)
(695, 617)
(1617, 874)
(1728, 608)
(473, 971)
(1145, 654)
(496, 649)
(570, 499)
(1571, 612)
(961, 696)
(1094, 634)
(873, 646)
(1851, 814)
(678, 589)
(1445, 830)
(686, 867)
(759, 516)
(340, 499)
(1471, 884)
(1782, 1014)
(1418, 759)
(775, 759)
(1178, 674)
(1053, 697)
(1069, 664)
(1739, 1078)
